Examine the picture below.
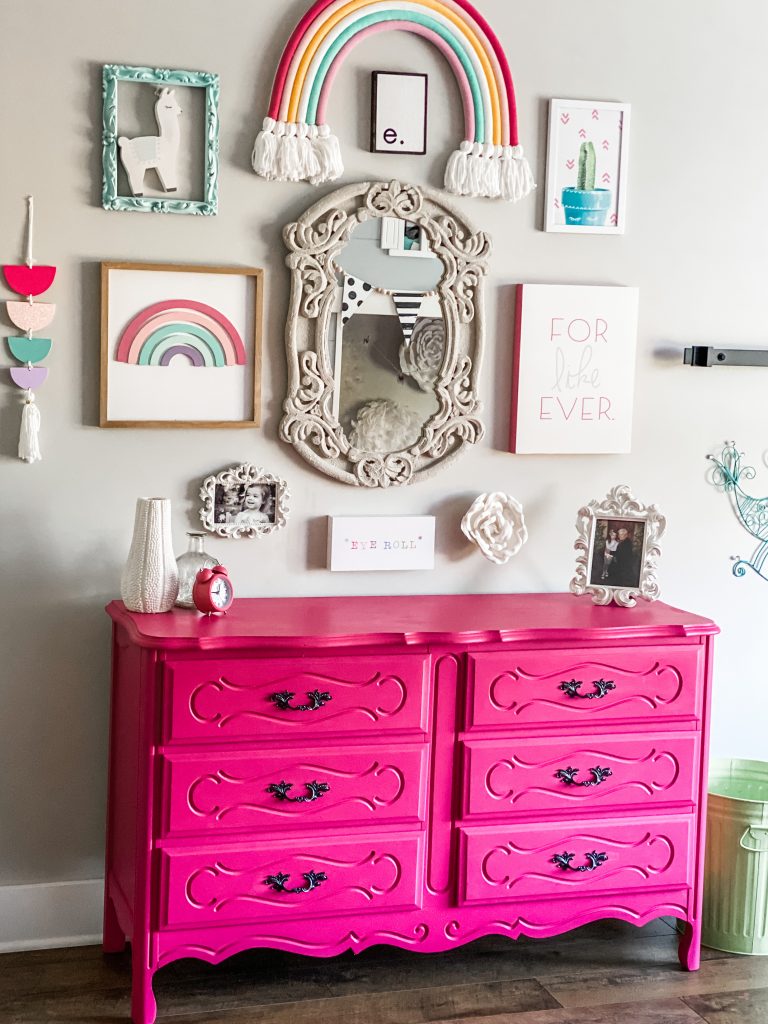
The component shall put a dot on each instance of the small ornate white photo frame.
(244, 501)
(618, 547)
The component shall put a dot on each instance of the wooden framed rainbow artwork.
(296, 142)
(180, 345)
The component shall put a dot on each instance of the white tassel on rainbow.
(296, 144)
(297, 152)
(498, 172)
(29, 280)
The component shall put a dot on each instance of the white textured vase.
(150, 580)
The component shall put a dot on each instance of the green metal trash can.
(735, 912)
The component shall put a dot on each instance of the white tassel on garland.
(29, 435)
(475, 169)
(290, 151)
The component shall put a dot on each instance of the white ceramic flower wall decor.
(495, 522)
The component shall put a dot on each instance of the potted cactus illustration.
(585, 204)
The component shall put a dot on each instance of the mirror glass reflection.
(386, 336)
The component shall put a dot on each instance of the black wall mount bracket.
(701, 355)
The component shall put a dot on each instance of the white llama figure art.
(159, 151)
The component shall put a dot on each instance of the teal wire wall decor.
(751, 512)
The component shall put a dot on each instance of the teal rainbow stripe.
(190, 336)
(453, 40)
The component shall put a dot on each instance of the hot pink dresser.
(324, 774)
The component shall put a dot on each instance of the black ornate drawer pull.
(568, 775)
(284, 698)
(602, 686)
(563, 860)
(314, 878)
(316, 790)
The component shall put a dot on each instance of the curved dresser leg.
(689, 949)
(113, 939)
(143, 1005)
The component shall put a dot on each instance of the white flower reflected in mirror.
(382, 425)
(422, 357)
(495, 523)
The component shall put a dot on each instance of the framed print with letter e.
(180, 345)
(574, 369)
(398, 112)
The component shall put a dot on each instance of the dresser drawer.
(579, 775)
(219, 885)
(295, 697)
(595, 856)
(585, 687)
(352, 786)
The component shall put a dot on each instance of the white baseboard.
(50, 915)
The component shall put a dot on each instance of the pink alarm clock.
(212, 592)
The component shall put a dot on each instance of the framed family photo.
(244, 501)
(180, 345)
(618, 547)
(587, 166)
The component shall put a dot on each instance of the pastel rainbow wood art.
(29, 280)
(296, 143)
(200, 333)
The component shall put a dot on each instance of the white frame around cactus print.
(612, 151)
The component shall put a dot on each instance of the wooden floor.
(607, 973)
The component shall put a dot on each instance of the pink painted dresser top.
(442, 618)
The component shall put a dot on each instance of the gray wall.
(695, 76)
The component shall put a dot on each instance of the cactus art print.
(587, 167)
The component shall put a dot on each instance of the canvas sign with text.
(574, 369)
(364, 543)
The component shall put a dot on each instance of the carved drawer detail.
(560, 688)
(289, 789)
(281, 881)
(576, 858)
(296, 697)
(579, 774)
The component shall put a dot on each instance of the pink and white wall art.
(574, 369)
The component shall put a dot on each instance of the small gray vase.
(150, 580)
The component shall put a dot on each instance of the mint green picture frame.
(161, 77)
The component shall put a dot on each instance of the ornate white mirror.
(384, 333)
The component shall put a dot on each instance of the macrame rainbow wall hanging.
(296, 144)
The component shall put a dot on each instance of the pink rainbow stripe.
(415, 29)
(189, 316)
(313, 14)
(186, 305)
